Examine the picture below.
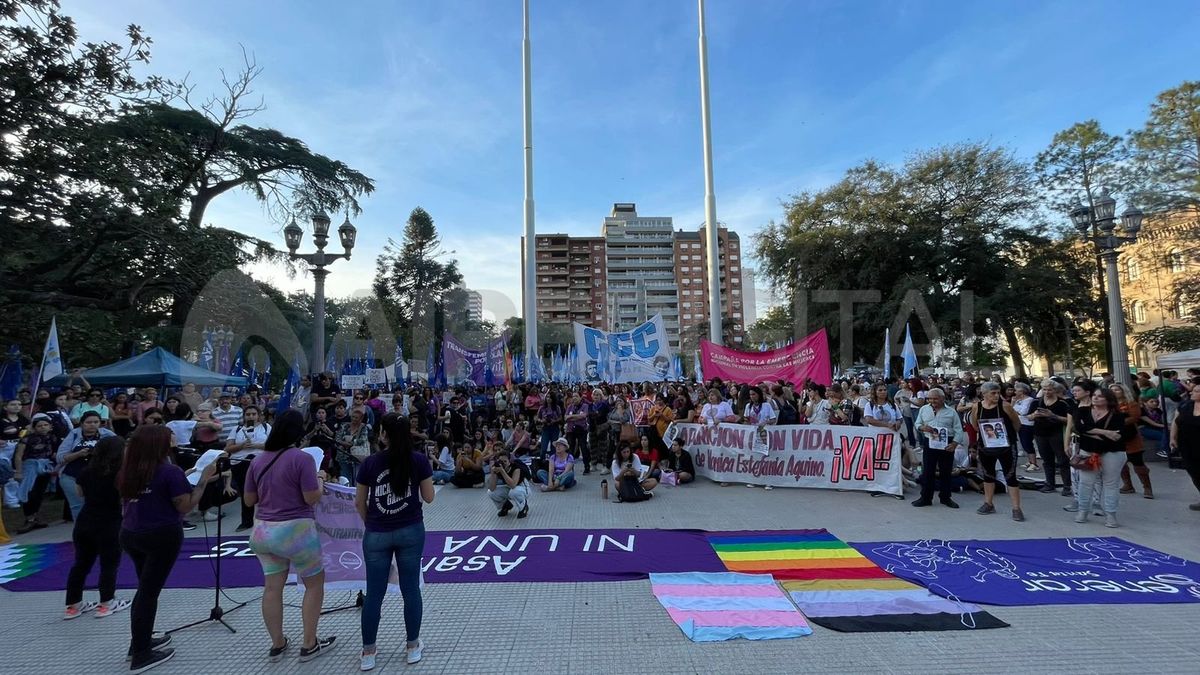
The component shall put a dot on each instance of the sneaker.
(1110, 520)
(112, 607)
(1098, 512)
(1066, 492)
(275, 655)
(323, 645)
(74, 612)
(523, 512)
(414, 654)
(242, 527)
(768, 487)
(950, 502)
(156, 642)
(505, 508)
(1081, 517)
(367, 662)
(1071, 508)
(922, 502)
(1194, 507)
(28, 527)
(1127, 490)
(210, 517)
(1163, 454)
(187, 527)
(1018, 515)
(985, 509)
(152, 658)
(1047, 489)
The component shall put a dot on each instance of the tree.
(410, 275)
(1169, 339)
(103, 184)
(941, 224)
(1078, 163)
(1166, 151)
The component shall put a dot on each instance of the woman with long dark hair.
(97, 531)
(283, 485)
(1102, 435)
(391, 485)
(156, 495)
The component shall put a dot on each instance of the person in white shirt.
(247, 440)
(759, 412)
(717, 410)
(878, 411)
(229, 415)
(817, 409)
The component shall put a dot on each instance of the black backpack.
(788, 414)
(630, 489)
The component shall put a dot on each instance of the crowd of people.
(124, 462)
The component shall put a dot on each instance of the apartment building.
(691, 275)
(641, 282)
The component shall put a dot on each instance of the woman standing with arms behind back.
(283, 484)
(391, 485)
(156, 496)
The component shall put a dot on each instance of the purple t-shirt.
(387, 511)
(154, 507)
(281, 489)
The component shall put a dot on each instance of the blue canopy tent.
(155, 368)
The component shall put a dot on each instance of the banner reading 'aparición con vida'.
(810, 456)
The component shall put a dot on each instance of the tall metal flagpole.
(530, 309)
(710, 198)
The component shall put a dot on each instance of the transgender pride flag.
(715, 606)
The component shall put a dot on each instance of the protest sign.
(806, 359)
(636, 355)
(814, 456)
(376, 376)
(354, 381)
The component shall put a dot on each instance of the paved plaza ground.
(618, 627)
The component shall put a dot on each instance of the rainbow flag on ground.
(839, 588)
(715, 606)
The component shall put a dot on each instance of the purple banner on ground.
(450, 557)
(1081, 570)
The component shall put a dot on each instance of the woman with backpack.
(631, 476)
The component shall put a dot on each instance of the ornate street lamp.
(318, 262)
(1108, 244)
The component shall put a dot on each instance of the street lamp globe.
(347, 234)
(1081, 218)
(320, 222)
(1131, 221)
(1106, 208)
(292, 234)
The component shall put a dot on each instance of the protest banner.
(351, 382)
(471, 366)
(806, 359)
(812, 456)
(636, 355)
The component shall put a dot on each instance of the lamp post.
(1108, 244)
(318, 261)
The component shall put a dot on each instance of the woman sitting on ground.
(468, 467)
(561, 465)
(626, 465)
(679, 462)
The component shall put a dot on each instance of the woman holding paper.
(391, 486)
(998, 422)
(283, 485)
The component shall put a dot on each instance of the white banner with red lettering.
(801, 455)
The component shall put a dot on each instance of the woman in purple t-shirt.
(156, 495)
(282, 482)
(391, 485)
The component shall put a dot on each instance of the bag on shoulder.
(788, 414)
(629, 434)
(630, 490)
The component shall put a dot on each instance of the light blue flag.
(696, 363)
(398, 364)
(887, 353)
(909, 353)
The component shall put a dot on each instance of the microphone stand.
(217, 613)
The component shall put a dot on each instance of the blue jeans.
(440, 476)
(73, 499)
(566, 480)
(406, 545)
(549, 435)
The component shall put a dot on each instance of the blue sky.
(425, 97)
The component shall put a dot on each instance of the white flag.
(51, 357)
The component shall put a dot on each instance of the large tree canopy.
(105, 177)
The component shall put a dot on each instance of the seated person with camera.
(468, 467)
(506, 485)
(441, 462)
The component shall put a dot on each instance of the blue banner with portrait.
(637, 355)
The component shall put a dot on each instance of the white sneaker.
(368, 661)
(210, 517)
(414, 654)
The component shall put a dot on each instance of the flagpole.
(530, 291)
(710, 198)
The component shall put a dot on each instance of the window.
(695, 257)
(596, 270)
(687, 304)
(596, 259)
(695, 245)
(1182, 309)
(733, 257)
(596, 283)
(1175, 261)
(734, 269)
(736, 292)
(1133, 269)
(687, 316)
(737, 315)
(685, 269)
(1142, 357)
(1139, 311)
